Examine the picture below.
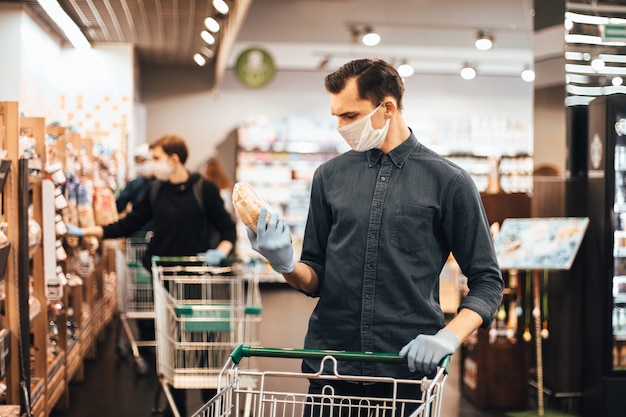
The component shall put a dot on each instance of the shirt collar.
(398, 155)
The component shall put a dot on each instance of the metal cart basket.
(259, 401)
(202, 314)
(135, 302)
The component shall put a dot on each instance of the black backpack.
(155, 185)
(212, 235)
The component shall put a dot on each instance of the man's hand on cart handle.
(426, 351)
(273, 241)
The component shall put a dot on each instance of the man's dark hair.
(375, 79)
(172, 144)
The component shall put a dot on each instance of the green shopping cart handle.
(157, 260)
(247, 351)
(176, 259)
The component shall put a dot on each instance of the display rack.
(37, 376)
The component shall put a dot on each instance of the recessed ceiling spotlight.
(405, 69)
(199, 59)
(468, 72)
(484, 41)
(211, 24)
(221, 6)
(528, 75)
(207, 37)
(370, 38)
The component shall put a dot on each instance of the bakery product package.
(248, 203)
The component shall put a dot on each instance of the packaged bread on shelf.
(247, 204)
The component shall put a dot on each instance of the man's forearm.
(464, 323)
(302, 278)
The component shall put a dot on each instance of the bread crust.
(248, 204)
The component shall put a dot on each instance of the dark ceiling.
(165, 33)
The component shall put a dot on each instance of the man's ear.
(175, 157)
(390, 106)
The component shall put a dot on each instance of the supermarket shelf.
(56, 384)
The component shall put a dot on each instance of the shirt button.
(377, 205)
(383, 178)
(366, 328)
(373, 236)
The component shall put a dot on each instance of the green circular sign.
(254, 68)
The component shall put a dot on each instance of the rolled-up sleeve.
(467, 229)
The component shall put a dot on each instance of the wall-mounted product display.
(52, 285)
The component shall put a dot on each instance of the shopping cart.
(202, 314)
(260, 400)
(136, 304)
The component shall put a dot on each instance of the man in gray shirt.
(382, 221)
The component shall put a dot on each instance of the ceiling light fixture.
(212, 24)
(65, 23)
(207, 37)
(484, 41)
(370, 38)
(528, 75)
(221, 6)
(405, 69)
(468, 72)
(199, 59)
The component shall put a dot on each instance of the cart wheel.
(122, 349)
(141, 367)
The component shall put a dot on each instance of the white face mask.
(145, 169)
(360, 134)
(162, 171)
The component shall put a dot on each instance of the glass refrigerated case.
(604, 304)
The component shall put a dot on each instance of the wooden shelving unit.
(27, 311)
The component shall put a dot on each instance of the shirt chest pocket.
(412, 227)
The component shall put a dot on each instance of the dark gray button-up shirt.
(380, 228)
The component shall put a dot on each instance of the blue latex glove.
(273, 241)
(426, 351)
(213, 256)
(74, 230)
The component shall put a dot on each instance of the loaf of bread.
(247, 204)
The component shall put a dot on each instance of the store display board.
(540, 243)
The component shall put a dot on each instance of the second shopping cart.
(202, 313)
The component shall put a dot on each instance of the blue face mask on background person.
(360, 134)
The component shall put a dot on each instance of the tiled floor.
(111, 388)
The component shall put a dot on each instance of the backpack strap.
(155, 185)
(197, 193)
